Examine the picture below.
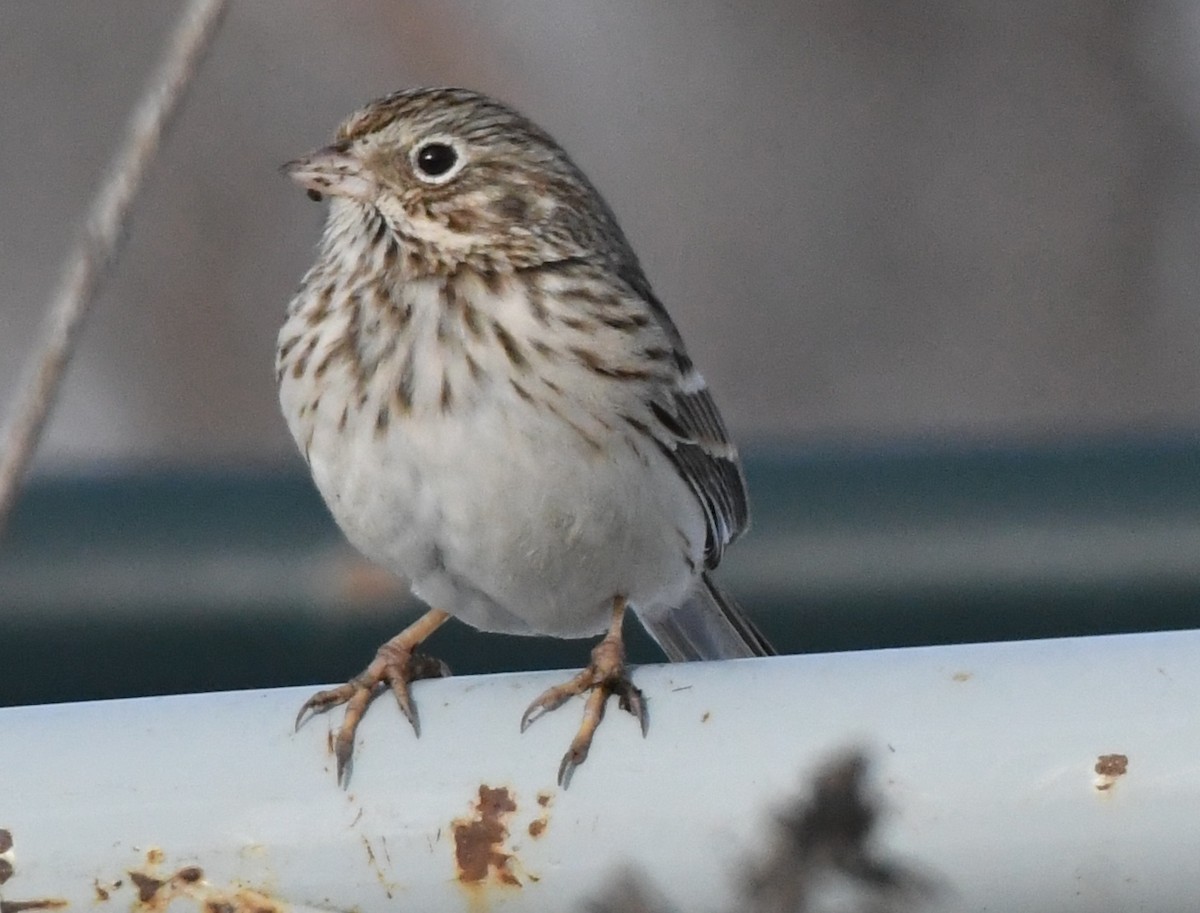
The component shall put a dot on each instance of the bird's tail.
(709, 625)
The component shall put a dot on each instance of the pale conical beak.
(333, 171)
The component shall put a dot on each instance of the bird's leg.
(395, 664)
(605, 675)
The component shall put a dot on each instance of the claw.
(396, 665)
(605, 676)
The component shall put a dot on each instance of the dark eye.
(434, 160)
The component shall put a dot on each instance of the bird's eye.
(436, 161)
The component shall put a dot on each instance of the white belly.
(505, 517)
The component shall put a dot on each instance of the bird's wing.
(700, 448)
(696, 441)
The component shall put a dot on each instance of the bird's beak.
(335, 171)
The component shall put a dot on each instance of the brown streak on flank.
(447, 398)
(364, 374)
(471, 320)
(341, 425)
(537, 304)
(473, 366)
(521, 391)
(639, 426)
(330, 354)
(632, 374)
(287, 345)
(545, 350)
(511, 349)
(588, 359)
(591, 361)
(574, 426)
(552, 386)
(382, 417)
(624, 321)
(321, 310)
(589, 296)
(581, 324)
(302, 359)
(404, 389)
(656, 353)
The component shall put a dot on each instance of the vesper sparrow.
(494, 404)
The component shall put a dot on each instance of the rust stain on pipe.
(480, 850)
(155, 894)
(538, 825)
(1110, 768)
(45, 903)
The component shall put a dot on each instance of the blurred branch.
(823, 848)
(96, 250)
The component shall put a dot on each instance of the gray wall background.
(872, 220)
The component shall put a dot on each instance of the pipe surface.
(1049, 775)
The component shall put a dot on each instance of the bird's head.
(460, 178)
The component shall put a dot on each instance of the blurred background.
(937, 260)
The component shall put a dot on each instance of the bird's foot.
(395, 665)
(606, 675)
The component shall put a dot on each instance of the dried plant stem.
(95, 251)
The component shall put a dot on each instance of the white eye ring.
(437, 159)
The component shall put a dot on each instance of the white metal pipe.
(986, 762)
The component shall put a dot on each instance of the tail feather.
(709, 625)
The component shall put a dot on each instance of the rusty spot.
(101, 891)
(46, 903)
(6, 841)
(147, 885)
(538, 826)
(156, 895)
(1110, 767)
(155, 856)
(706, 717)
(479, 849)
(243, 900)
(6, 870)
(961, 676)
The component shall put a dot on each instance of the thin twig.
(95, 252)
